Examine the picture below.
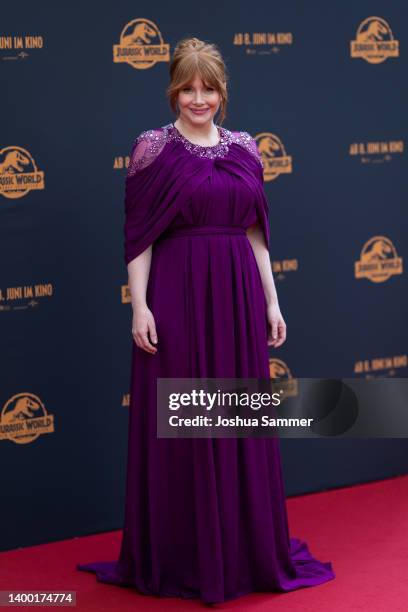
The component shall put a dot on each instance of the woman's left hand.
(276, 326)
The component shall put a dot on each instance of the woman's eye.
(189, 88)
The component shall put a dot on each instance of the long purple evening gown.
(204, 517)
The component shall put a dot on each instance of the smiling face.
(198, 102)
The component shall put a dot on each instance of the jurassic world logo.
(265, 43)
(274, 157)
(381, 366)
(24, 418)
(376, 151)
(141, 45)
(280, 373)
(126, 297)
(18, 173)
(374, 41)
(378, 260)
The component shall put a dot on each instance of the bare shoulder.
(245, 140)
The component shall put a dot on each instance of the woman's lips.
(199, 111)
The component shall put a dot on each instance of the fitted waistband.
(200, 230)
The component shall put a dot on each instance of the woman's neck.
(207, 132)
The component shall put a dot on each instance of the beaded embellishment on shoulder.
(145, 149)
(150, 143)
(245, 140)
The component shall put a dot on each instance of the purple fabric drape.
(204, 518)
(155, 194)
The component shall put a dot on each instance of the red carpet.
(363, 530)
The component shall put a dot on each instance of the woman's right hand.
(142, 325)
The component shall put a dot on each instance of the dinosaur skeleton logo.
(24, 418)
(141, 45)
(374, 41)
(378, 260)
(280, 371)
(18, 173)
(274, 157)
(125, 294)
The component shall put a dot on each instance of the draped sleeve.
(162, 175)
(159, 181)
(262, 203)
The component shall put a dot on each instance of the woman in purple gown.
(204, 517)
